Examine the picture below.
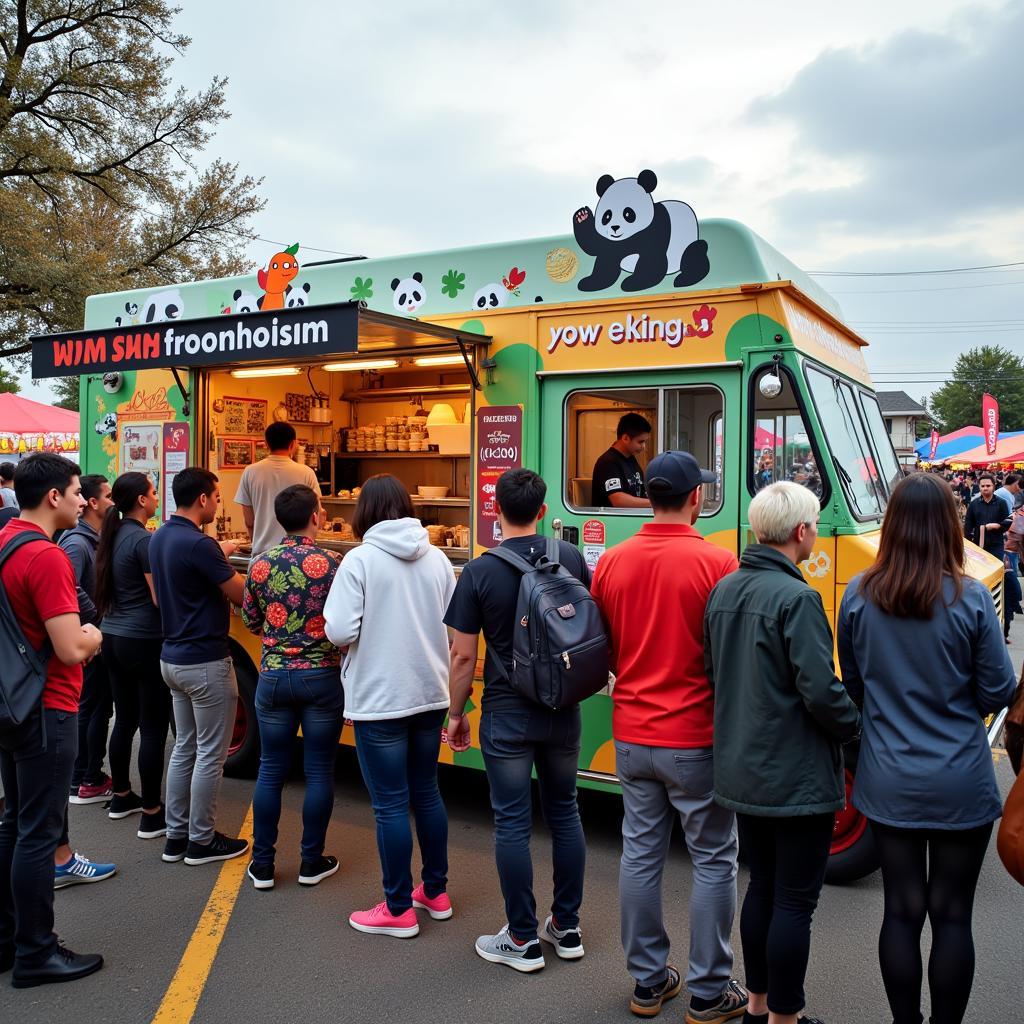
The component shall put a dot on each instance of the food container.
(441, 413)
(432, 492)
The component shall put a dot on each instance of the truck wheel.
(853, 853)
(244, 750)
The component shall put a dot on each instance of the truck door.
(696, 411)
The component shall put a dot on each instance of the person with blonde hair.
(921, 650)
(781, 717)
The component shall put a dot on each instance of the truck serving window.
(782, 443)
(687, 419)
(847, 439)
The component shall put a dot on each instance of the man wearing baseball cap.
(652, 591)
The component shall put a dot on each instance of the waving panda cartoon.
(630, 231)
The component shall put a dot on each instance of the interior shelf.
(416, 500)
(398, 455)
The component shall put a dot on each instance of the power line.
(912, 273)
(945, 288)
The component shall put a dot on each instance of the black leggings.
(787, 858)
(142, 702)
(929, 873)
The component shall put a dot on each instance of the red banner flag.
(990, 422)
(934, 447)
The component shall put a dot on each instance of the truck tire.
(244, 750)
(853, 853)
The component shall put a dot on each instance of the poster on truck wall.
(175, 460)
(499, 447)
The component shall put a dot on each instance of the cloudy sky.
(870, 137)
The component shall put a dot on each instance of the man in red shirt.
(652, 591)
(37, 756)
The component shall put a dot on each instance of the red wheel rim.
(850, 823)
(241, 728)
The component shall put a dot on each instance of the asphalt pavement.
(290, 955)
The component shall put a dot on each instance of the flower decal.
(818, 565)
(315, 627)
(260, 571)
(362, 290)
(315, 566)
(277, 614)
(452, 283)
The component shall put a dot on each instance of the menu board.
(234, 452)
(141, 445)
(244, 415)
(175, 460)
(499, 447)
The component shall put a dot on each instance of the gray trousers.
(204, 698)
(657, 783)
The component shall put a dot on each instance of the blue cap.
(673, 474)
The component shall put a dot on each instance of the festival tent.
(1009, 451)
(953, 444)
(27, 426)
(765, 439)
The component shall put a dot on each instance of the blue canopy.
(956, 445)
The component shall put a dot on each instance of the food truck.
(447, 368)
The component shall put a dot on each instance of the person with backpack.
(131, 625)
(781, 717)
(39, 694)
(519, 733)
(386, 605)
(663, 731)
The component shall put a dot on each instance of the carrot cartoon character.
(274, 280)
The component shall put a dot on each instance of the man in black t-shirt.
(518, 735)
(618, 480)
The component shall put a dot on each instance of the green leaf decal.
(292, 249)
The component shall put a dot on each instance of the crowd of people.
(728, 714)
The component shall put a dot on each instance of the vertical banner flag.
(934, 447)
(990, 422)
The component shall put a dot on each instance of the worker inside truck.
(618, 478)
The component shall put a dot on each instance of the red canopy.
(27, 426)
(765, 439)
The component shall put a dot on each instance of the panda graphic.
(245, 302)
(630, 231)
(409, 293)
(132, 309)
(296, 296)
(106, 426)
(161, 306)
(491, 296)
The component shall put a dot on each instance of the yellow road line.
(182, 996)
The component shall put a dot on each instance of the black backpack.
(22, 668)
(559, 646)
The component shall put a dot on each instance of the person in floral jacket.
(299, 684)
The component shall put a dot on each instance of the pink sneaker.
(380, 921)
(439, 908)
(93, 794)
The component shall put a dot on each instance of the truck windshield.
(847, 440)
(888, 464)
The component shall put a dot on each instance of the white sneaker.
(568, 943)
(503, 949)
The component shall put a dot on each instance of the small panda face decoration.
(625, 207)
(409, 293)
(296, 296)
(491, 296)
(244, 302)
(132, 314)
(106, 426)
(167, 305)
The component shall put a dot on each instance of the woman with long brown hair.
(921, 649)
(132, 639)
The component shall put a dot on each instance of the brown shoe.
(732, 1004)
(646, 1001)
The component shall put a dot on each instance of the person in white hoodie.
(386, 605)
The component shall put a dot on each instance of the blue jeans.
(398, 757)
(286, 699)
(513, 744)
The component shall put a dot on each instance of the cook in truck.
(618, 480)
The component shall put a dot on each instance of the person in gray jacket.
(920, 648)
(781, 716)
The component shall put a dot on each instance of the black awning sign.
(304, 332)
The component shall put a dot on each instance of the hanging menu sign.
(499, 447)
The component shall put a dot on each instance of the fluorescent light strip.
(439, 361)
(361, 364)
(267, 371)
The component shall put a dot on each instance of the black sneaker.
(647, 999)
(313, 872)
(262, 875)
(174, 850)
(732, 1004)
(220, 847)
(152, 826)
(122, 806)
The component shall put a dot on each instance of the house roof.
(899, 403)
